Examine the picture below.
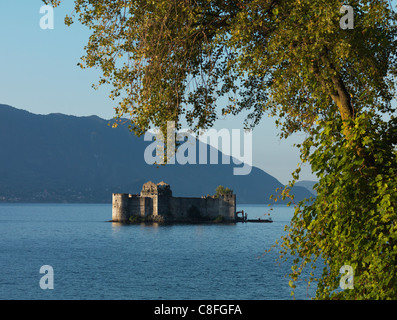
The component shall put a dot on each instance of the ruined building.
(156, 201)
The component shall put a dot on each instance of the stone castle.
(157, 203)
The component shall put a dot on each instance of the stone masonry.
(156, 201)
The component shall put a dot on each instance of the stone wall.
(125, 205)
(208, 207)
(178, 208)
(120, 210)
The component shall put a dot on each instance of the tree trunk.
(342, 99)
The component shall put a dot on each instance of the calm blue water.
(95, 259)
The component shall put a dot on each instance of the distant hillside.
(60, 158)
(308, 185)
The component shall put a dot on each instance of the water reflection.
(118, 226)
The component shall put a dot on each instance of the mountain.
(61, 158)
(309, 185)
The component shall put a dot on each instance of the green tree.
(221, 191)
(290, 59)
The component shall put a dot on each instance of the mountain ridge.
(65, 158)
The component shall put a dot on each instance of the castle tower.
(164, 194)
(120, 209)
(149, 190)
(160, 194)
(229, 207)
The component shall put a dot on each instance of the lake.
(95, 259)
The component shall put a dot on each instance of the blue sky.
(39, 73)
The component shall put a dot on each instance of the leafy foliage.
(172, 59)
(221, 191)
(353, 220)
